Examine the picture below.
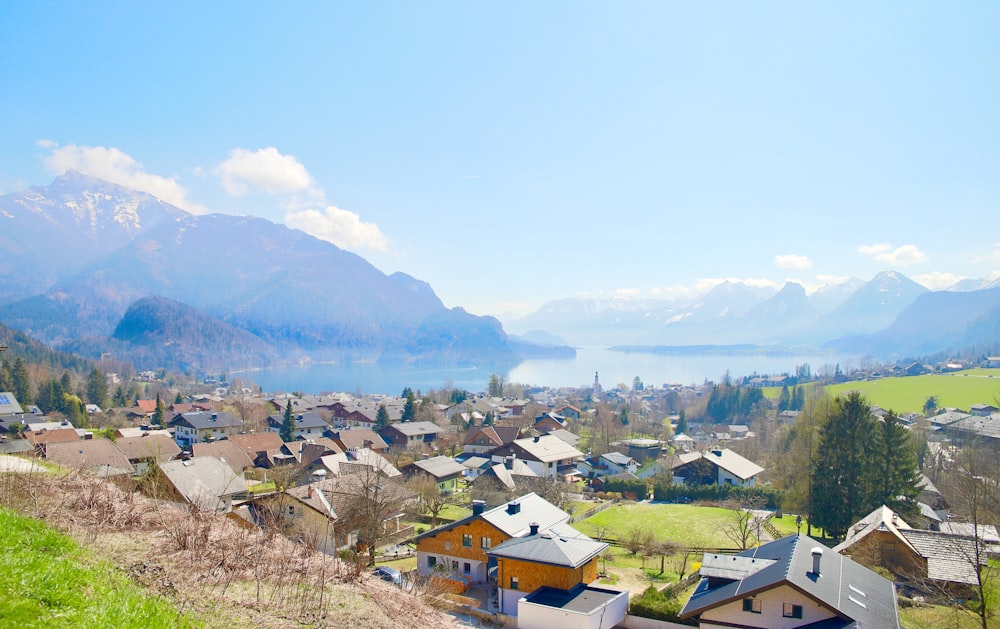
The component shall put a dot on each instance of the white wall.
(533, 616)
(771, 610)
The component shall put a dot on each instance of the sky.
(512, 153)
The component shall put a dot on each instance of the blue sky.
(512, 153)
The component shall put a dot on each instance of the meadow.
(960, 389)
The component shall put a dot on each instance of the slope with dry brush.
(213, 569)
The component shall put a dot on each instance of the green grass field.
(687, 525)
(46, 580)
(907, 395)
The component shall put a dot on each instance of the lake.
(613, 367)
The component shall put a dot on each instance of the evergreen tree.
(785, 399)
(178, 399)
(159, 412)
(119, 399)
(287, 430)
(381, 417)
(488, 420)
(20, 382)
(898, 477)
(842, 474)
(623, 417)
(6, 376)
(409, 408)
(97, 388)
(682, 422)
(495, 386)
(798, 398)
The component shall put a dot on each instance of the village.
(491, 504)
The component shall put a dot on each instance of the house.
(483, 439)
(642, 450)
(618, 463)
(565, 435)
(344, 463)
(791, 582)
(205, 482)
(538, 574)
(308, 512)
(983, 410)
(717, 466)
(307, 425)
(141, 451)
(411, 435)
(96, 456)
(201, 426)
(934, 559)
(547, 422)
(460, 549)
(569, 411)
(357, 438)
(227, 451)
(9, 405)
(546, 455)
(444, 470)
(684, 442)
(975, 428)
(257, 444)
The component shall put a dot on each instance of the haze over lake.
(613, 367)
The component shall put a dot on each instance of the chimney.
(478, 506)
(215, 416)
(513, 507)
(817, 554)
(534, 528)
(536, 438)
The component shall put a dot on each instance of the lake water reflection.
(613, 368)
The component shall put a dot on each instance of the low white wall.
(638, 622)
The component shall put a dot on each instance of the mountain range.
(82, 259)
(94, 268)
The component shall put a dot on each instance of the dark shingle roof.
(847, 588)
(201, 420)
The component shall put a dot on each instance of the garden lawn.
(687, 525)
(46, 580)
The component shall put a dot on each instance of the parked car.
(388, 574)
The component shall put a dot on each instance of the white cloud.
(117, 167)
(46, 144)
(792, 261)
(900, 256)
(993, 257)
(341, 227)
(627, 292)
(937, 280)
(263, 170)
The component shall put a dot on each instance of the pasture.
(903, 395)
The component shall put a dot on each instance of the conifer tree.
(381, 417)
(21, 382)
(898, 479)
(287, 430)
(409, 408)
(842, 475)
(160, 411)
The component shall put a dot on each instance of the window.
(513, 583)
(791, 611)
(484, 543)
(467, 541)
(432, 562)
(466, 568)
(751, 605)
(454, 566)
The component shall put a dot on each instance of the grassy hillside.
(47, 580)
(904, 395)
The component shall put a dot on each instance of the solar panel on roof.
(4, 399)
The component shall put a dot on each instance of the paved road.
(10, 463)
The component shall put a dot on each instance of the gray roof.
(988, 426)
(949, 557)
(856, 594)
(514, 517)
(547, 448)
(160, 446)
(618, 458)
(583, 599)
(308, 419)
(561, 545)
(566, 436)
(882, 518)
(947, 417)
(95, 455)
(8, 404)
(203, 480)
(201, 420)
(417, 429)
(439, 466)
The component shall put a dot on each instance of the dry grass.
(222, 573)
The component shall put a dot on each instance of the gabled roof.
(561, 545)
(733, 463)
(159, 446)
(439, 467)
(354, 438)
(514, 518)
(344, 463)
(566, 436)
(225, 450)
(618, 458)
(146, 406)
(416, 429)
(202, 420)
(94, 455)
(8, 404)
(949, 557)
(203, 480)
(881, 519)
(255, 443)
(547, 448)
(307, 419)
(857, 595)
